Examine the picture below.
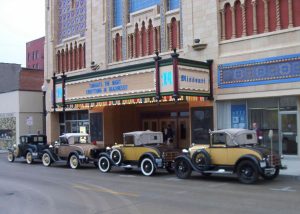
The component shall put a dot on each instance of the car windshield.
(78, 140)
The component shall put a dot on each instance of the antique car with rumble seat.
(31, 148)
(230, 151)
(73, 148)
(141, 149)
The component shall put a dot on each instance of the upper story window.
(173, 4)
(136, 5)
(118, 12)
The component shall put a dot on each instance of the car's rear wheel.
(74, 162)
(46, 159)
(29, 158)
(273, 175)
(10, 156)
(247, 172)
(147, 167)
(116, 156)
(104, 164)
(183, 168)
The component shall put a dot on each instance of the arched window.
(284, 14)
(174, 33)
(67, 58)
(143, 39)
(83, 56)
(58, 63)
(118, 47)
(238, 19)
(63, 69)
(150, 38)
(228, 21)
(296, 13)
(75, 57)
(80, 57)
(260, 16)
(137, 41)
(272, 15)
(249, 17)
(71, 57)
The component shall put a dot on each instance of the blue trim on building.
(272, 70)
(136, 5)
(118, 12)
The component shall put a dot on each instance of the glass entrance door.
(288, 133)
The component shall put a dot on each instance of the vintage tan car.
(73, 148)
(230, 151)
(141, 149)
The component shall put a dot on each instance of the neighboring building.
(100, 56)
(21, 102)
(259, 69)
(35, 54)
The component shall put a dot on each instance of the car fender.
(248, 157)
(149, 155)
(188, 159)
(51, 154)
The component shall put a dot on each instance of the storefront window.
(288, 103)
(202, 122)
(74, 122)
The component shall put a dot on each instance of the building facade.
(21, 103)
(235, 64)
(35, 53)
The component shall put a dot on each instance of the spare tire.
(201, 160)
(116, 156)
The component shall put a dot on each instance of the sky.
(21, 21)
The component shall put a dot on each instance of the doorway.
(288, 133)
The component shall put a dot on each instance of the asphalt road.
(33, 189)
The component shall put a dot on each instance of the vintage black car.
(31, 147)
(74, 149)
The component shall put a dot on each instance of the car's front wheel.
(104, 164)
(183, 168)
(272, 175)
(74, 162)
(10, 156)
(46, 159)
(29, 158)
(247, 172)
(147, 167)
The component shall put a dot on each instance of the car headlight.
(185, 151)
(108, 148)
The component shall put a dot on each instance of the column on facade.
(158, 39)
(67, 58)
(78, 57)
(290, 13)
(233, 22)
(129, 47)
(266, 16)
(278, 27)
(147, 41)
(71, 57)
(222, 11)
(243, 19)
(154, 32)
(254, 17)
(114, 50)
(178, 34)
(134, 44)
(169, 36)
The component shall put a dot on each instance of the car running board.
(220, 171)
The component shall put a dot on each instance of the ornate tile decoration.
(162, 26)
(266, 71)
(72, 18)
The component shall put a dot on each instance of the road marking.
(127, 176)
(173, 179)
(285, 189)
(102, 189)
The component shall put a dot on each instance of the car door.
(218, 150)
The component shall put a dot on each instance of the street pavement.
(30, 189)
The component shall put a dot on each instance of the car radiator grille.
(274, 160)
(170, 156)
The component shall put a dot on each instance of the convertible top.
(143, 137)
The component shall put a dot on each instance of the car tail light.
(94, 143)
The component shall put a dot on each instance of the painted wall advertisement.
(238, 116)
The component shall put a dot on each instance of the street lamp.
(44, 90)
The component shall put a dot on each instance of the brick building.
(244, 54)
(35, 53)
(21, 99)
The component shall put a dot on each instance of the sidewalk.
(293, 166)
